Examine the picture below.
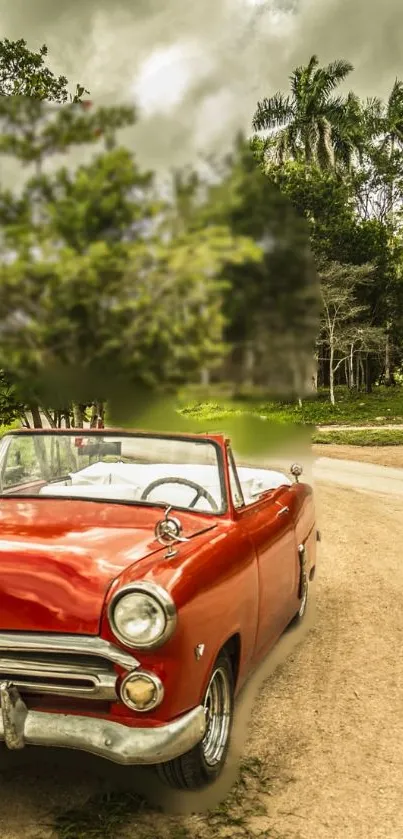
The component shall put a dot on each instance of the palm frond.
(326, 79)
(273, 113)
(312, 64)
(394, 112)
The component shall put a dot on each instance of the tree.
(147, 313)
(311, 124)
(271, 307)
(24, 73)
(342, 328)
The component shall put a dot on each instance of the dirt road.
(323, 757)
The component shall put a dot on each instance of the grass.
(5, 428)
(384, 405)
(364, 437)
(109, 816)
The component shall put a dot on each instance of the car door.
(269, 523)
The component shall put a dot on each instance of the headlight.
(142, 615)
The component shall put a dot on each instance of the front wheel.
(204, 763)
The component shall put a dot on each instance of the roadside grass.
(363, 437)
(125, 815)
(5, 428)
(384, 405)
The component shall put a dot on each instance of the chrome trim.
(93, 682)
(163, 599)
(111, 740)
(168, 530)
(159, 687)
(296, 470)
(31, 642)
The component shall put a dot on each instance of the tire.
(204, 763)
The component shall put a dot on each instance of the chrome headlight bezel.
(163, 600)
(156, 682)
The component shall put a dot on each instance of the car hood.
(58, 558)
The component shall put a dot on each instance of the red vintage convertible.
(142, 577)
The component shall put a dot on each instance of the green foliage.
(148, 311)
(97, 281)
(271, 307)
(384, 405)
(102, 279)
(311, 124)
(24, 73)
(367, 437)
(96, 202)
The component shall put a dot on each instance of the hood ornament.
(296, 470)
(168, 531)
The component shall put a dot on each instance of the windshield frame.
(103, 433)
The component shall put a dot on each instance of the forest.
(274, 268)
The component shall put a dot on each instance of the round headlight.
(142, 615)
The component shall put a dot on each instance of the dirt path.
(381, 455)
(324, 753)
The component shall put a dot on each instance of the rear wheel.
(204, 763)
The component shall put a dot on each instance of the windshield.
(139, 469)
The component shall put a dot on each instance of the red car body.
(236, 585)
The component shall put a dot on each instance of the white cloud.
(167, 75)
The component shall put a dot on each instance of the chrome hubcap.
(217, 709)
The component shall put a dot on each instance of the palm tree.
(384, 127)
(311, 124)
(384, 123)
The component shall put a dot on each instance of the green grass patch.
(384, 405)
(365, 437)
(4, 429)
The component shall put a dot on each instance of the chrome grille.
(80, 667)
(59, 675)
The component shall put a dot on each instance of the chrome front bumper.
(113, 741)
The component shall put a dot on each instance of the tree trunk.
(351, 367)
(205, 377)
(331, 375)
(369, 374)
(79, 415)
(49, 417)
(362, 372)
(36, 416)
(101, 415)
(249, 366)
(94, 416)
(97, 415)
(388, 376)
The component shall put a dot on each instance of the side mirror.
(296, 470)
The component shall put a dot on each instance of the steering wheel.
(200, 491)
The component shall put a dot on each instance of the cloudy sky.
(197, 69)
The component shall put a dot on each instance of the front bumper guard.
(116, 742)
